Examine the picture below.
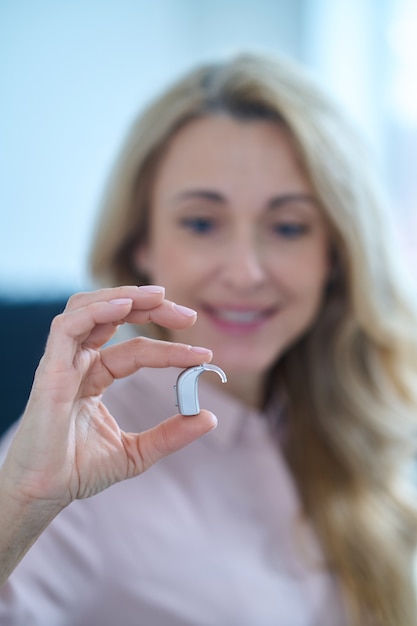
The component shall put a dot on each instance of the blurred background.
(74, 73)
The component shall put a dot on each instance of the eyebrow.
(201, 194)
(278, 201)
(274, 203)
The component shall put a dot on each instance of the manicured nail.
(214, 421)
(152, 288)
(121, 301)
(184, 310)
(200, 350)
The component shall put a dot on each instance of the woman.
(246, 196)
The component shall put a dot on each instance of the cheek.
(165, 268)
(171, 267)
(312, 285)
(158, 258)
(303, 270)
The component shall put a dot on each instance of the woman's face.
(237, 235)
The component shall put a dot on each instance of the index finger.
(71, 328)
(145, 296)
(167, 313)
(75, 326)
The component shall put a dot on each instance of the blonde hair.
(351, 382)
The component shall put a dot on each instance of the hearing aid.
(187, 387)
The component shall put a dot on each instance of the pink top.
(207, 537)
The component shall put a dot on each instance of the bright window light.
(403, 44)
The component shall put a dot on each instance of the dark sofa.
(24, 327)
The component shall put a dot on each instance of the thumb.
(146, 448)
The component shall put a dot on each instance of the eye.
(199, 225)
(290, 230)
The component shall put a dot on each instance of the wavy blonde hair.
(351, 382)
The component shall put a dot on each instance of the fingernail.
(214, 421)
(200, 350)
(121, 301)
(152, 288)
(184, 310)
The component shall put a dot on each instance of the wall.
(72, 75)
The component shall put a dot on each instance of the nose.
(243, 266)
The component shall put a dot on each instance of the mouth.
(239, 319)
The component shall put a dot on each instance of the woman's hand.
(68, 445)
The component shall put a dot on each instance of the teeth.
(240, 317)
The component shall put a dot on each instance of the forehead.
(229, 153)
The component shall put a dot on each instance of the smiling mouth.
(240, 317)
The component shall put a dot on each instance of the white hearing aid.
(187, 387)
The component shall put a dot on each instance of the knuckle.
(58, 322)
(140, 342)
(165, 443)
(74, 300)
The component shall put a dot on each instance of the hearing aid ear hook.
(187, 387)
